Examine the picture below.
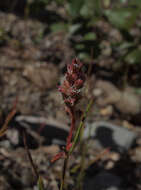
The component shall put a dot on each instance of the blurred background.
(38, 38)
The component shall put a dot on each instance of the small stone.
(109, 165)
(115, 36)
(44, 77)
(5, 144)
(13, 136)
(137, 155)
(107, 111)
(105, 134)
(114, 156)
(97, 92)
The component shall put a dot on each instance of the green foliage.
(122, 18)
(84, 8)
(60, 26)
(134, 56)
(91, 8)
(80, 127)
(90, 36)
(81, 18)
(79, 21)
(40, 184)
(75, 7)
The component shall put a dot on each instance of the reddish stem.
(69, 138)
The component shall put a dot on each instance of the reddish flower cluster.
(70, 89)
(72, 84)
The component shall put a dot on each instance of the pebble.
(105, 134)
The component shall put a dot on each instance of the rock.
(44, 77)
(125, 101)
(106, 49)
(27, 177)
(103, 181)
(53, 130)
(5, 144)
(115, 36)
(13, 136)
(129, 104)
(106, 135)
(137, 155)
(107, 111)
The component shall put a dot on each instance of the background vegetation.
(97, 29)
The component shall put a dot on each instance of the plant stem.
(62, 187)
(77, 135)
(71, 113)
(81, 124)
(29, 156)
(72, 116)
(82, 167)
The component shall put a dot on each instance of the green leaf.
(91, 8)
(75, 7)
(134, 56)
(40, 184)
(84, 56)
(125, 45)
(81, 125)
(80, 46)
(90, 36)
(122, 18)
(57, 27)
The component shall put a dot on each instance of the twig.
(29, 156)
(8, 119)
(64, 172)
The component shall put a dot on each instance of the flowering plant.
(70, 90)
(71, 93)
